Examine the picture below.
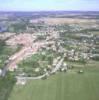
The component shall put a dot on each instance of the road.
(58, 65)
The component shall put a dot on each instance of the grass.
(33, 61)
(5, 52)
(6, 85)
(38, 60)
(62, 86)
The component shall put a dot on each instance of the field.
(5, 52)
(62, 86)
(68, 21)
(36, 61)
(6, 86)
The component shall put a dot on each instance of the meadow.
(62, 86)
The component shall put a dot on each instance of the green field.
(5, 52)
(37, 60)
(62, 86)
(6, 86)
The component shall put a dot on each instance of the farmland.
(68, 21)
(5, 52)
(62, 86)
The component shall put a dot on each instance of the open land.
(61, 86)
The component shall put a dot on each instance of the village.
(50, 55)
(43, 46)
(62, 51)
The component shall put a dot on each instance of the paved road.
(57, 66)
(31, 78)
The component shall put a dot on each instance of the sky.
(49, 5)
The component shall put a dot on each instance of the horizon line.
(50, 11)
